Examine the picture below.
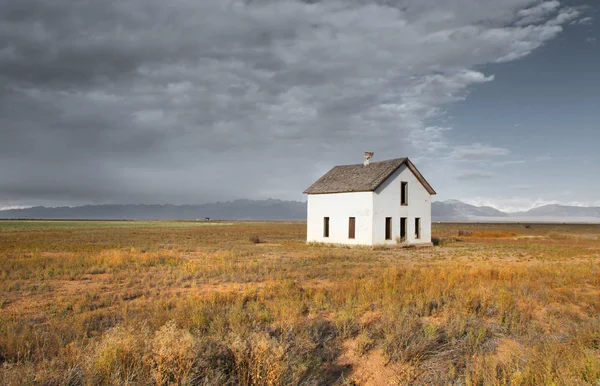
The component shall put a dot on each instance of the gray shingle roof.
(360, 178)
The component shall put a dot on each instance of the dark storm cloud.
(189, 101)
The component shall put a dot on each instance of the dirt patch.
(370, 369)
(369, 318)
(33, 300)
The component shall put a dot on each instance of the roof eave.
(417, 174)
(345, 191)
(405, 161)
(420, 177)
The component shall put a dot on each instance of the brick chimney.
(368, 156)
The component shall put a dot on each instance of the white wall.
(339, 207)
(386, 203)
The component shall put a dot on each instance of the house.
(372, 203)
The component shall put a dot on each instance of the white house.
(373, 203)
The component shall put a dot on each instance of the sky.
(188, 102)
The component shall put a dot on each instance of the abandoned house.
(372, 203)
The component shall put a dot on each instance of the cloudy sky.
(193, 101)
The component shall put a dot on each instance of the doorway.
(388, 228)
(403, 226)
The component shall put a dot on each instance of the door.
(351, 227)
(417, 228)
(403, 226)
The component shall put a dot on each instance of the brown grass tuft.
(173, 353)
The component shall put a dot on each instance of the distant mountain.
(561, 211)
(232, 210)
(450, 210)
(454, 210)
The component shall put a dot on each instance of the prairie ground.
(95, 302)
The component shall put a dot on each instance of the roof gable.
(360, 178)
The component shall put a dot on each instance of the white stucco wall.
(370, 210)
(339, 207)
(386, 203)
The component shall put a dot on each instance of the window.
(403, 223)
(417, 228)
(388, 228)
(351, 227)
(325, 226)
(404, 193)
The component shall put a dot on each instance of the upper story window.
(404, 193)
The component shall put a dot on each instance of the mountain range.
(446, 211)
(454, 210)
(232, 210)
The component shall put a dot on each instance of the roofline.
(406, 162)
(417, 174)
(351, 191)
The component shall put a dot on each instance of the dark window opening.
(404, 193)
(403, 223)
(351, 227)
(388, 228)
(326, 227)
(417, 228)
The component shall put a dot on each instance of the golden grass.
(486, 234)
(205, 305)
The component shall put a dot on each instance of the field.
(93, 302)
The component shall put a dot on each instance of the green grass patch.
(28, 225)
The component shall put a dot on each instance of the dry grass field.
(180, 303)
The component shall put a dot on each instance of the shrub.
(346, 324)
(364, 343)
(259, 360)
(437, 241)
(118, 358)
(407, 339)
(173, 354)
(400, 240)
(254, 239)
(215, 364)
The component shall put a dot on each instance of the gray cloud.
(537, 13)
(474, 175)
(192, 101)
(476, 152)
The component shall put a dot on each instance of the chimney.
(368, 156)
